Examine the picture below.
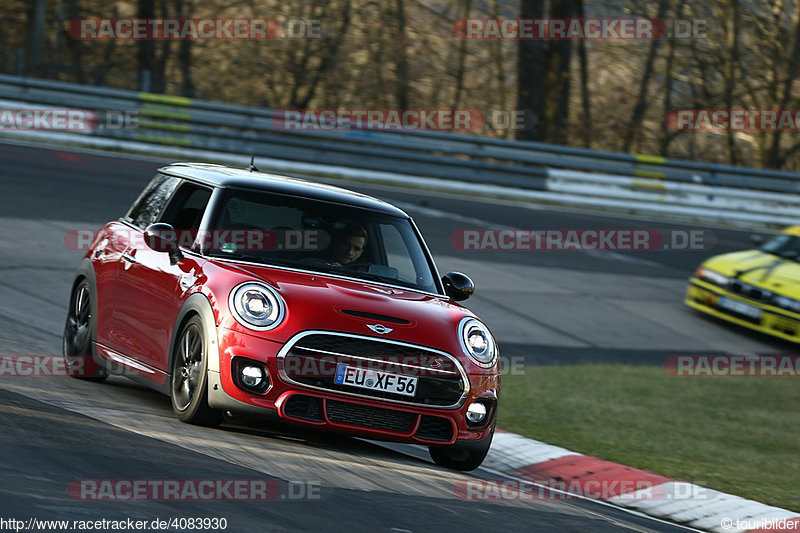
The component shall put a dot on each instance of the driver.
(348, 245)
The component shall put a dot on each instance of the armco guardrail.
(238, 129)
(184, 128)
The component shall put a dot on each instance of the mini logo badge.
(379, 329)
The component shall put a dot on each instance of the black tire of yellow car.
(79, 332)
(189, 379)
(465, 456)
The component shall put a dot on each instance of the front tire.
(79, 332)
(189, 380)
(465, 456)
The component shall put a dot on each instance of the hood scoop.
(376, 316)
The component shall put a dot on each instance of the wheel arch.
(197, 304)
(86, 271)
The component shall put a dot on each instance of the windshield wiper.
(235, 255)
(367, 275)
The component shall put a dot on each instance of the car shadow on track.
(772, 344)
(267, 427)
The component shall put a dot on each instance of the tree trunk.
(775, 160)
(462, 57)
(585, 101)
(147, 49)
(500, 72)
(401, 84)
(37, 19)
(667, 135)
(328, 59)
(162, 50)
(730, 82)
(530, 70)
(634, 128)
(185, 52)
(75, 46)
(556, 80)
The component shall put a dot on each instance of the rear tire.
(79, 333)
(463, 455)
(189, 380)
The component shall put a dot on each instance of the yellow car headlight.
(711, 276)
(786, 303)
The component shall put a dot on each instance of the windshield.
(786, 246)
(318, 236)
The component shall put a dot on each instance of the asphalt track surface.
(545, 308)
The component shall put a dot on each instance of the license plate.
(375, 380)
(739, 307)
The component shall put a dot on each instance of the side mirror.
(162, 237)
(458, 286)
(756, 239)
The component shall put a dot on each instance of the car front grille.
(371, 417)
(310, 408)
(311, 360)
(750, 291)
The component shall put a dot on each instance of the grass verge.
(734, 434)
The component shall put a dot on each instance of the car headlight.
(711, 276)
(257, 306)
(477, 342)
(786, 303)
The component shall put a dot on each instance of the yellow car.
(758, 289)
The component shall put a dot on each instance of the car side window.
(187, 206)
(185, 211)
(151, 202)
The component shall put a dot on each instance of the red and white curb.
(657, 496)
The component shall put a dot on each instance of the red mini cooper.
(241, 291)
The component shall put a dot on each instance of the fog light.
(251, 376)
(476, 413)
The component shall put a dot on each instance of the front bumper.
(344, 413)
(773, 321)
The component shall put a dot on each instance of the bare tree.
(401, 61)
(462, 59)
(642, 98)
(147, 50)
(530, 71)
(183, 8)
(37, 20)
(586, 123)
(326, 62)
(792, 66)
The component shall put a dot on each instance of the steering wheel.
(357, 266)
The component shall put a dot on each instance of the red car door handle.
(129, 258)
